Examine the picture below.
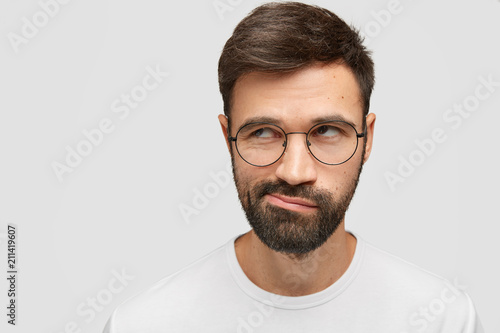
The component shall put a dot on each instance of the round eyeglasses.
(262, 144)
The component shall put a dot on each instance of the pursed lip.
(293, 201)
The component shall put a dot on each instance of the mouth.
(291, 203)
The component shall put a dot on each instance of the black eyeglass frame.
(358, 135)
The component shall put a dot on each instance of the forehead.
(299, 98)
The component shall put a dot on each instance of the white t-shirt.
(378, 293)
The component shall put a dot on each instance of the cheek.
(248, 174)
(338, 178)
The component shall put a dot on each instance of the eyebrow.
(314, 121)
(262, 119)
(334, 117)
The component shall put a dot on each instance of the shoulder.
(429, 300)
(166, 299)
(385, 267)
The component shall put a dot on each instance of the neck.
(290, 275)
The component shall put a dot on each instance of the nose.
(297, 165)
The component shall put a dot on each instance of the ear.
(370, 127)
(223, 120)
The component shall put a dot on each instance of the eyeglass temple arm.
(362, 135)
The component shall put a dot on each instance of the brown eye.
(264, 132)
(326, 131)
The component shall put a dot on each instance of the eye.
(265, 132)
(327, 131)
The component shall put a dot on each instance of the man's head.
(293, 65)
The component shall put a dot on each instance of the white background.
(119, 210)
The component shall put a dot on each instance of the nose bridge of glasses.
(286, 138)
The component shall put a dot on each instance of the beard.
(289, 232)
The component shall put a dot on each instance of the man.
(296, 84)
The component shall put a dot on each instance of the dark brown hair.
(288, 36)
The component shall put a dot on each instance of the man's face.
(297, 203)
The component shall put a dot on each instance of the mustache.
(317, 196)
